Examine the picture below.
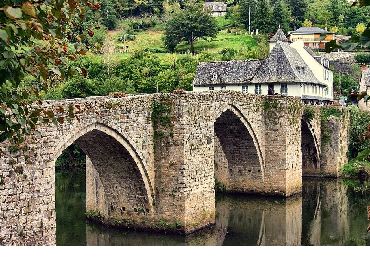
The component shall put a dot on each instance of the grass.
(152, 40)
(223, 40)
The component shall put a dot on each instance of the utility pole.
(249, 19)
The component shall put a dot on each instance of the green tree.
(263, 17)
(319, 12)
(307, 23)
(37, 38)
(189, 25)
(245, 5)
(338, 9)
(298, 8)
(108, 14)
(282, 16)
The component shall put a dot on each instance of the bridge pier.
(334, 146)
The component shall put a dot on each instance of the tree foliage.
(298, 8)
(282, 16)
(189, 25)
(38, 38)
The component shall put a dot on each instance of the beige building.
(313, 37)
(289, 70)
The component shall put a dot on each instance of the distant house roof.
(225, 72)
(216, 6)
(284, 64)
(279, 36)
(310, 30)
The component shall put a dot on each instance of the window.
(223, 87)
(326, 91)
(284, 89)
(245, 88)
(257, 89)
(211, 88)
(270, 90)
(214, 77)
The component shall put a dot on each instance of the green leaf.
(4, 35)
(13, 13)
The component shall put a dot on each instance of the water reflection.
(325, 214)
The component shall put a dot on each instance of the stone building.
(289, 70)
(217, 9)
(313, 37)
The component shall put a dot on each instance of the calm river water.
(326, 214)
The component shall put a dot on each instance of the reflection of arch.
(101, 136)
(238, 157)
(310, 149)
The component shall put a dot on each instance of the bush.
(363, 58)
(114, 84)
(93, 65)
(79, 87)
(359, 131)
(156, 50)
(345, 84)
(98, 39)
(228, 54)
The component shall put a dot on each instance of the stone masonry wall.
(151, 159)
(27, 191)
(335, 144)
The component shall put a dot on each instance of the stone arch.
(117, 171)
(238, 157)
(310, 149)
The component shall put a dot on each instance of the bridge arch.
(238, 156)
(121, 183)
(310, 149)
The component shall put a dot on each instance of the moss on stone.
(161, 118)
(308, 113)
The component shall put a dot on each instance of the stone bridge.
(153, 161)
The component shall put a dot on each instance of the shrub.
(127, 35)
(98, 39)
(363, 58)
(359, 131)
(228, 54)
(93, 65)
(114, 84)
(79, 87)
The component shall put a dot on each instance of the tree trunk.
(192, 47)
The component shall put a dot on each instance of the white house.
(217, 9)
(289, 70)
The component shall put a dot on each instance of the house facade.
(289, 70)
(217, 9)
(313, 37)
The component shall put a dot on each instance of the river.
(326, 214)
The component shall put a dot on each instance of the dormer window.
(300, 69)
(214, 77)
